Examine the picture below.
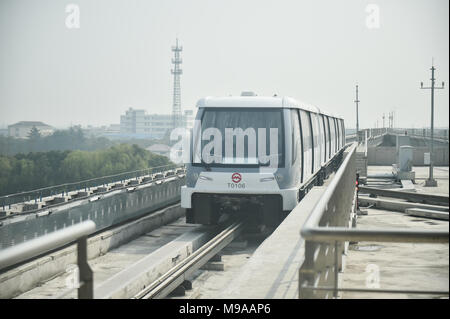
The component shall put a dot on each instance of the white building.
(139, 123)
(22, 129)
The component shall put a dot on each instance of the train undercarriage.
(210, 209)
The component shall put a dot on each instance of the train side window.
(323, 140)
(338, 135)
(295, 135)
(313, 148)
(340, 132)
(333, 136)
(316, 141)
(307, 143)
(302, 148)
(327, 128)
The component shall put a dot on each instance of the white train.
(233, 141)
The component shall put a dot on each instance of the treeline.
(70, 139)
(61, 140)
(23, 172)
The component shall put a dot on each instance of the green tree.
(34, 134)
(36, 170)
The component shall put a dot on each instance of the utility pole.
(390, 117)
(357, 117)
(383, 120)
(431, 181)
(176, 71)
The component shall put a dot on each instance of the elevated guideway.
(307, 254)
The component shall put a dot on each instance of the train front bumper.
(289, 195)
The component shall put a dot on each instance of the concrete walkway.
(399, 265)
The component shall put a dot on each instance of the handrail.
(25, 251)
(35, 247)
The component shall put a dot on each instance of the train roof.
(259, 101)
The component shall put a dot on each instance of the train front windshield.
(251, 137)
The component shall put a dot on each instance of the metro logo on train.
(236, 177)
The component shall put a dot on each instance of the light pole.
(431, 181)
(357, 117)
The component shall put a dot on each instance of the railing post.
(336, 269)
(86, 288)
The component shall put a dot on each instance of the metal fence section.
(327, 230)
(439, 134)
(33, 248)
(105, 210)
(38, 194)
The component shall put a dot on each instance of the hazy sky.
(315, 51)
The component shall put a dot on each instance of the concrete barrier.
(386, 155)
(427, 213)
(396, 205)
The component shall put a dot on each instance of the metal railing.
(439, 134)
(327, 230)
(37, 195)
(55, 240)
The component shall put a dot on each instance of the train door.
(316, 141)
(307, 144)
(338, 135)
(328, 138)
(296, 147)
(322, 139)
(333, 136)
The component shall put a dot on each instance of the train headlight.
(267, 179)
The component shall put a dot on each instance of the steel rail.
(416, 197)
(376, 290)
(178, 274)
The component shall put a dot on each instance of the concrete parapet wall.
(386, 155)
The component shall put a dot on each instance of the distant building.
(23, 128)
(138, 123)
(160, 149)
(113, 128)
